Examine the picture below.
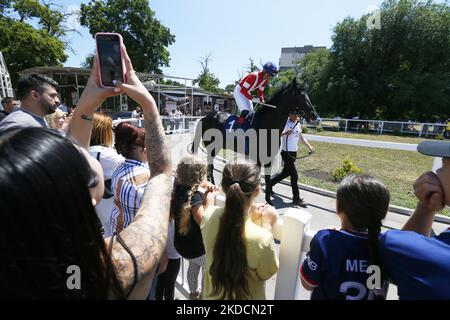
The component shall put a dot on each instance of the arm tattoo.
(158, 154)
(147, 235)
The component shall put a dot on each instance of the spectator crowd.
(76, 193)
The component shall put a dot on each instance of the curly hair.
(191, 171)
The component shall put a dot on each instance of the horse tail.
(197, 137)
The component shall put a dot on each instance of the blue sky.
(234, 30)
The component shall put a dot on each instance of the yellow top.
(261, 255)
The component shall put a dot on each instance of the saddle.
(235, 122)
(243, 122)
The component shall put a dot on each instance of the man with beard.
(39, 96)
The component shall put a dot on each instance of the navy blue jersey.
(336, 265)
(418, 265)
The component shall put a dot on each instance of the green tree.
(230, 87)
(314, 68)
(252, 66)
(206, 79)
(145, 37)
(24, 46)
(88, 61)
(4, 6)
(399, 72)
(282, 79)
(172, 83)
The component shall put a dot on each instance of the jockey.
(252, 81)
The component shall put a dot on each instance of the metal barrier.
(380, 127)
(171, 125)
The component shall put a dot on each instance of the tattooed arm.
(146, 236)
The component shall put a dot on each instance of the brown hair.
(229, 269)
(191, 171)
(128, 137)
(102, 133)
(365, 202)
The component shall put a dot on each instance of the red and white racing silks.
(253, 81)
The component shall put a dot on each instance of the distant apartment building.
(290, 57)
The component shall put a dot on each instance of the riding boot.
(210, 173)
(268, 200)
(268, 193)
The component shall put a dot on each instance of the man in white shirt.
(136, 113)
(291, 135)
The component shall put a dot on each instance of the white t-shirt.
(135, 114)
(109, 159)
(293, 138)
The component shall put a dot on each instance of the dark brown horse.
(291, 98)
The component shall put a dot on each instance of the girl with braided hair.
(187, 207)
(335, 268)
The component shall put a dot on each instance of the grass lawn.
(397, 169)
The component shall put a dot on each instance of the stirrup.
(250, 117)
(244, 114)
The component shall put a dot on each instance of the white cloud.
(372, 8)
(73, 21)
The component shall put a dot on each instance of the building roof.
(144, 77)
(304, 49)
(56, 69)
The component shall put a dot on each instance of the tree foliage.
(281, 80)
(24, 46)
(229, 88)
(172, 83)
(145, 37)
(401, 71)
(206, 79)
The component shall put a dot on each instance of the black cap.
(435, 148)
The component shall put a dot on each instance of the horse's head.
(299, 101)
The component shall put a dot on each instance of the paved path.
(364, 143)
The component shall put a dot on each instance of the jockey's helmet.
(270, 68)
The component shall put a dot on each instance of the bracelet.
(85, 117)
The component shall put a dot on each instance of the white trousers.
(242, 101)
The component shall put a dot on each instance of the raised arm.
(146, 235)
(92, 98)
(428, 190)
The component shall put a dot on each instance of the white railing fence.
(171, 125)
(379, 126)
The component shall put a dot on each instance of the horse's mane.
(278, 93)
(275, 96)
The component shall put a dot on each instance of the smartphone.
(109, 58)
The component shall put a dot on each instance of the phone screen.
(110, 59)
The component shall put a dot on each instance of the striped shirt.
(128, 184)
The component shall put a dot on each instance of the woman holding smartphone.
(137, 249)
(59, 252)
